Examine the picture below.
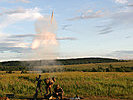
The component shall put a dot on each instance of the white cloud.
(5, 43)
(120, 18)
(30, 14)
(121, 1)
(10, 17)
(12, 11)
(3, 36)
(16, 15)
(21, 45)
(23, 1)
(122, 54)
(123, 17)
(66, 38)
(89, 14)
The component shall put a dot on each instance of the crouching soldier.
(58, 92)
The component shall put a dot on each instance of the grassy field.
(90, 67)
(85, 84)
(114, 64)
(80, 67)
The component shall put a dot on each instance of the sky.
(86, 28)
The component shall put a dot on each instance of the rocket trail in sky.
(45, 33)
(52, 16)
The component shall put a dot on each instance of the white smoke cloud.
(45, 44)
(45, 32)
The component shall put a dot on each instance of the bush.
(23, 71)
(10, 72)
(94, 70)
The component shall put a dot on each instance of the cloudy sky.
(86, 28)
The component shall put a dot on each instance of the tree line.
(28, 65)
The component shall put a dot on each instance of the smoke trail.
(45, 44)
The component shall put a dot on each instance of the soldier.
(39, 82)
(58, 92)
(38, 86)
(49, 83)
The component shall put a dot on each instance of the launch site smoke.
(45, 44)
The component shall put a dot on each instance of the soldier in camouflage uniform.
(49, 83)
(58, 92)
(38, 87)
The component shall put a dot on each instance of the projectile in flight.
(52, 16)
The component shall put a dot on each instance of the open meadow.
(79, 48)
(115, 66)
(85, 84)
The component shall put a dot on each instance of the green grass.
(103, 65)
(85, 84)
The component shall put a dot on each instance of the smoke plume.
(45, 44)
